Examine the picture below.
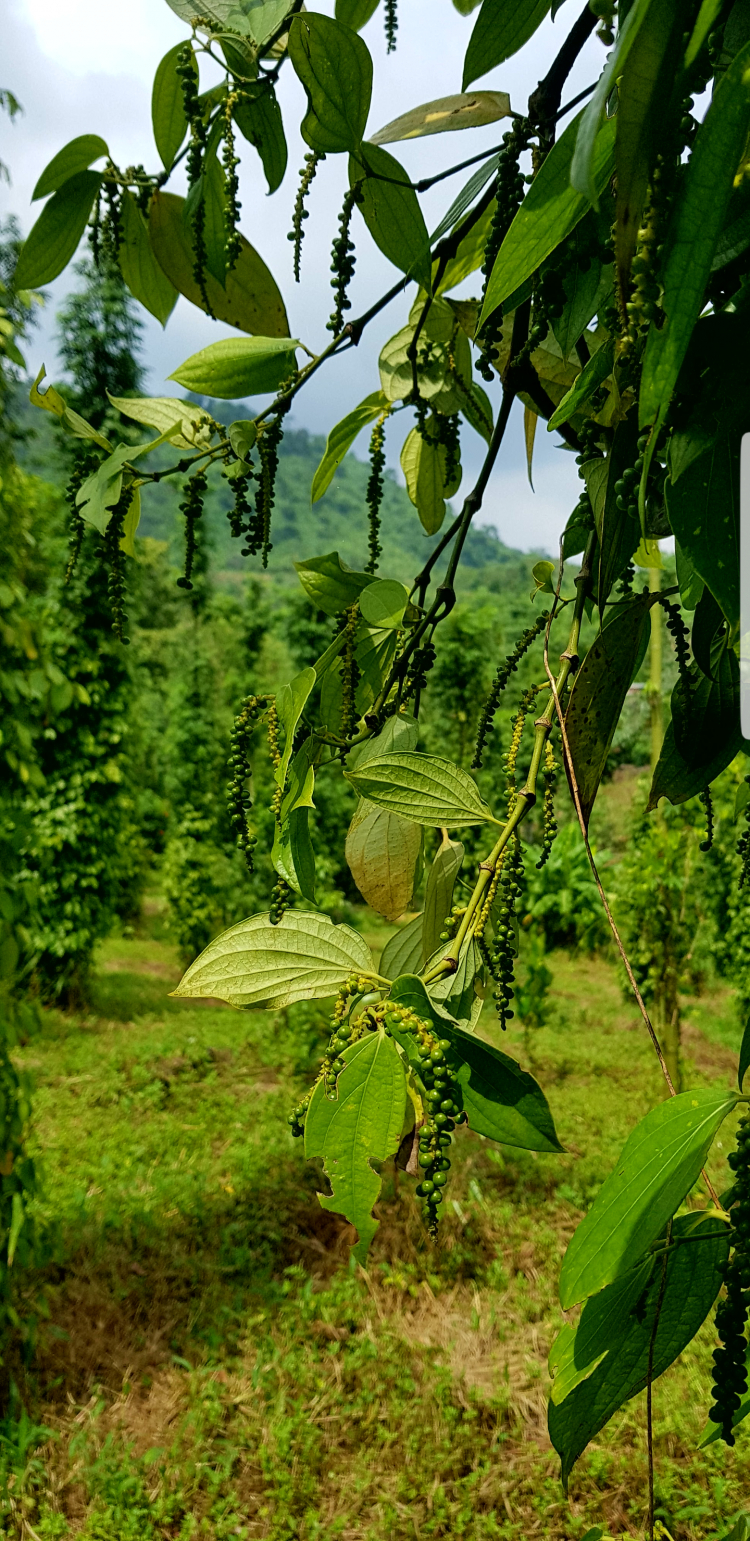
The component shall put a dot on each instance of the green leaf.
(604, 1361)
(304, 958)
(470, 254)
(706, 17)
(441, 881)
(256, 19)
(599, 366)
(421, 787)
(291, 852)
(290, 704)
(335, 68)
(702, 204)
(391, 212)
(423, 462)
(549, 212)
(470, 109)
(499, 31)
(138, 265)
(704, 511)
(706, 714)
(583, 291)
(210, 190)
(330, 585)
(98, 494)
(403, 952)
(168, 107)
(465, 198)
(341, 439)
(599, 692)
(258, 117)
(238, 366)
(690, 582)
(373, 655)
(619, 531)
(76, 156)
(17, 1217)
(456, 993)
(355, 13)
(744, 1054)
(54, 239)
(360, 1125)
(591, 119)
(51, 401)
(382, 851)
(243, 435)
(383, 603)
(678, 781)
(167, 414)
(502, 1101)
(250, 301)
(659, 1163)
(643, 117)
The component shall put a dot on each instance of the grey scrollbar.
(745, 586)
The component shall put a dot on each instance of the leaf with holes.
(360, 1125)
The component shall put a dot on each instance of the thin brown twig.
(595, 874)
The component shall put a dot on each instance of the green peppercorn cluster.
(281, 898)
(626, 486)
(730, 1360)
(420, 663)
(391, 25)
(502, 954)
(374, 493)
(506, 669)
(239, 801)
(510, 190)
(85, 462)
(116, 563)
(743, 845)
(442, 1101)
(258, 529)
(191, 505)
(452, 923)
(110, 231)
(186, 69)
(605, 10)
(240, 513)
(706, 799)
(349, 669)
(300, 214)
(679, 634)
(343, 260)
(549, 822)
(232, 206)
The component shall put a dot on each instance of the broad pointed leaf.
(138, 265)
(421, 787)
(659, 1163)
(403, 954)
(383, 851)
(258, 117)
(54, 239)
(704, 511)
(250, 301)
(438, 898)
(549, 212)
(470, 109)
(499, 31)
(341, 439)
(168, 107)
(605, 1359)
(360, 1125)
(76, 156)
(599, 692)
(390, 209)
(304, 958)
(238, 366)
(702, 203)
(330, 585)
(335, 68)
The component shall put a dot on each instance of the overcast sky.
(87, 67)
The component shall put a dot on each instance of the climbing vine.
(609, 239)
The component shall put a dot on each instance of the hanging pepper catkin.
(730, 1360)
(230, 162)
(300, 214)
(116, 562)
(374, 492)
(549, 830)
(343, 260)
(239, 801)
(191, 505)
(506, 669)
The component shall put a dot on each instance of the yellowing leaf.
(468, 109)
(382, 851)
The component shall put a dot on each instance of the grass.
(211, 1365)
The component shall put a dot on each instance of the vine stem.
(595, 873)
(649, 1386)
